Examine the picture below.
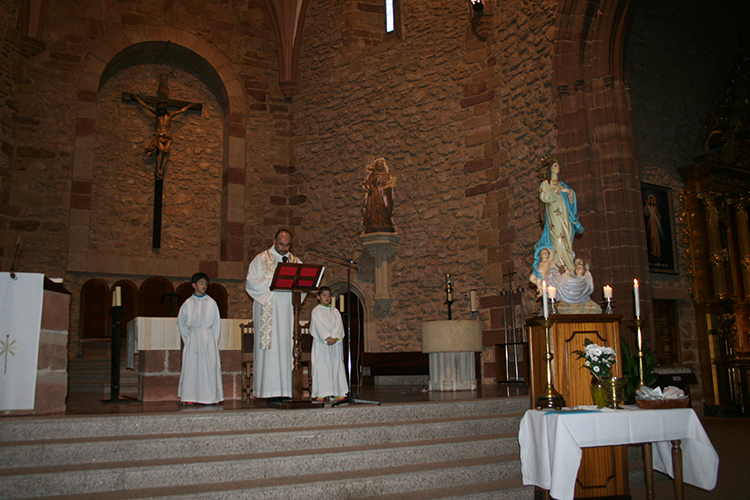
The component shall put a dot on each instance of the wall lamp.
(481, 22)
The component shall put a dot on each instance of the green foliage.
(630, 368)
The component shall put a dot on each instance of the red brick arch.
(596, 139)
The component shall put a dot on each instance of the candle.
(341, 303)
(607, 292)
(544, 299)
(552, 291)
(117, 297)
(636, 292)
(473, 300)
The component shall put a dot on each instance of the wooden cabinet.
(604, 470)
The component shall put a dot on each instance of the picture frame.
(658, 218)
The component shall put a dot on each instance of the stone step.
(103, 477)
(184, 446)
(463, 449)
(214, 419)
(60, 452)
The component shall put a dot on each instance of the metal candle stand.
(449, 294)
(638, 324)
(114, 390)
(549, 398)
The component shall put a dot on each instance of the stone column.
(382, 246)
(743, 237)
(715, 252)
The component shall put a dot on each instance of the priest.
(273, 319)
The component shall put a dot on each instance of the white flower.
(588, 363)
(597, 351)
(596, 369)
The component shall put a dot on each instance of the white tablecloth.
(551, 443)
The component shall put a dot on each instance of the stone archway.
(120, 49)
(596, 139)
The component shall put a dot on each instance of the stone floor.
(87, 403)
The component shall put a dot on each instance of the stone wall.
(9, 67)
(461, 124)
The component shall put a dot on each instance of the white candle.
(118, 296)
(636, 292)
(473, 301)
(341, 303)
(607, 292)
(544, 299)
(552, 291)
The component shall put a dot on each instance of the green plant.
(630, 368)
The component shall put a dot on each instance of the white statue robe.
(328, 372)
(561, 230)
(199, 325)
(273, 323)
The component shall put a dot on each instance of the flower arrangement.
(599, 360)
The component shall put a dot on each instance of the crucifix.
(162, 139)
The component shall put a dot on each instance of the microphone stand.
(349, 263)
(15, 259)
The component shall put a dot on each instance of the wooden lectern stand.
(604, 470)
(297, 278)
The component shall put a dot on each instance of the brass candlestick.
(639, 336)
(549, 398)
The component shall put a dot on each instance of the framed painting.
(658, 214)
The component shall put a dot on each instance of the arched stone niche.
(190, 53)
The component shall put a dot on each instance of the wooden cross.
(162, 140)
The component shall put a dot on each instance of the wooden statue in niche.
(378, 210)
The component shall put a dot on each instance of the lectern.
(297, 278)
(604, 470)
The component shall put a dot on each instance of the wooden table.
(674, 442)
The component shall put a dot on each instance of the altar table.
(551, 443)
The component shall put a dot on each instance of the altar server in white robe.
(199, 324)
(327, 330)
(273, 321)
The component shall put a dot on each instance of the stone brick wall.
(8, 123)
(461, 124)
(159, 375)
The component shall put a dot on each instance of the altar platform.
(86, 403)
(730, 436)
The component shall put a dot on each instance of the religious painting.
(658, 216)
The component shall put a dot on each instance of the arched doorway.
(353, 318)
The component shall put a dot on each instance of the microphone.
(285, 259)
(15, 258)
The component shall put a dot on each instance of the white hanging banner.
(20, 322)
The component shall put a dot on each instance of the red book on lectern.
(305, 277)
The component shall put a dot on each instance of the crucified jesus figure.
(162, 140)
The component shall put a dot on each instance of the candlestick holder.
(552, 309)
(608, 309)
(114, 387)
(549, 398)
(639, 336)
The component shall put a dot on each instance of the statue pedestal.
(451, 346)
(382, 246)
